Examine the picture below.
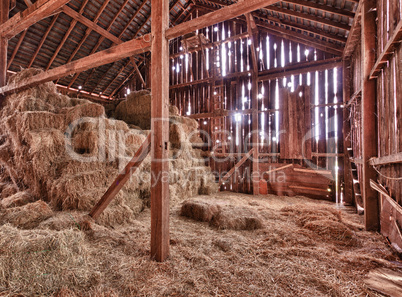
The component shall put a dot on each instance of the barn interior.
(200, 148)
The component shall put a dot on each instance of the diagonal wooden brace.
(122, 178)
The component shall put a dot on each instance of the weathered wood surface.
(36, 12)
(295, 124)
(160, 130)
(118, 52)
(385, 281)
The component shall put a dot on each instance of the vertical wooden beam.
(4, 10)
(369, 135)
(253, 33)
(160, 131)
(347, 176)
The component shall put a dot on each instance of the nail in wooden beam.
(160, 131)
(122, 178)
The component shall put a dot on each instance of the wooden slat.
(385, 281)
(33, 14)
(309, 17)
(160, 130)
(215, 17)
(309, 188)
(43, 39)
(118, 52)
(290, 30)
(299, 68)
(322, 172)
(388, 51)
(238, 165)
(17, 47)
(122, 178)
(301, 37)
(392, 159)
(277, 169)
(323, 7)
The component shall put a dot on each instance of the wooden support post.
(347, 176)
(4, 10)
(369, 135)
(160, 131)
(253, 35)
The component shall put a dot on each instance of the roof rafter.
(103, 38)
(288, 23)
(226, 13)
(118, 52)
(54, 19)
(66, 35)
(322, 7)
(36, 12)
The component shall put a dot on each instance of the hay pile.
(282, 259)
(67, 152)
(221, 214)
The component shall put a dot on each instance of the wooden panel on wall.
(295, 123)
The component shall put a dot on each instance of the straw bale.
(173, 110)
(17, 199)
(37, 120)
(40, 262)
(28, 216)
(79, 191)
(92, 110)
(237, 218)
(86, 142)
(33, 152)
(136, 110)
(200, 210)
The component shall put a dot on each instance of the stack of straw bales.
(67, 152)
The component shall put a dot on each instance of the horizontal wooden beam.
(91, 25)
(83, 94)
(392, 159)
(122, 178)
(299, 68)
(217, 16)
(118, 52)
(388, 51)
(309, 17)
(322, 7)
(279, 27)
(302, 38)
(33, 14)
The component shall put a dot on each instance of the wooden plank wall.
(191, 88)
(191, 93)
(389, 94)
(389, 101)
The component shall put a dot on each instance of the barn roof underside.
(68, 34)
